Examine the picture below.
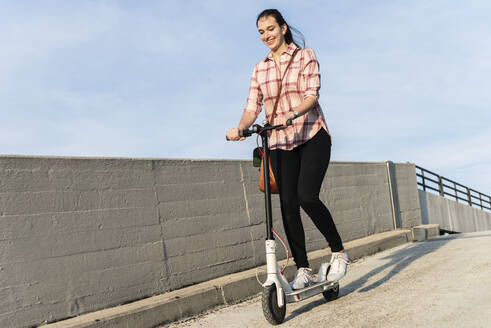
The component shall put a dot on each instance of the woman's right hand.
(233, 134)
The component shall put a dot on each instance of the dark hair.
(280, 20)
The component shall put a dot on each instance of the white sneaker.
(321, 275)
(339, 262)
(303, 278)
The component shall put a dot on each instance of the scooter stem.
(267, 188)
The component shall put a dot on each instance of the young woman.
(300, 153)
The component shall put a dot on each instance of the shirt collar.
(289, 50)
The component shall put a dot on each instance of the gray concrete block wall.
(452, 216)
(357, 196)
(407, 190)
(81, 234)
(77, 235)
(205, 227)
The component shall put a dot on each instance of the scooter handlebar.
(257, 128)
(245, 133)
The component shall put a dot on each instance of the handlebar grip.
(245, 133)
(242, 133)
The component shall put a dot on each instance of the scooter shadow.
(399, 260)
(305, 308)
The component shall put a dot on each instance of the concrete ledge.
(423, 232)
(193, 300)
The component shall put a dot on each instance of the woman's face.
(272, 34)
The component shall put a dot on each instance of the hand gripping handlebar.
(256, 128)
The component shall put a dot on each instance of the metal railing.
(449, 188)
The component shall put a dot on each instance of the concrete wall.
(452, 216)
(407, 194)
(81, 234)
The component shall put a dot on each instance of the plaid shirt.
(302, 80)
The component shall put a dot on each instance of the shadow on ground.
(398, 261)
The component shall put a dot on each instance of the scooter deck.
(304, 293)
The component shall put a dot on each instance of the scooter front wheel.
(272, 312)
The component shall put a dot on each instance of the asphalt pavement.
(440, 282)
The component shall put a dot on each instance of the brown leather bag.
(272, 181)
(273, 187)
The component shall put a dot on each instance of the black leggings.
(299, 174)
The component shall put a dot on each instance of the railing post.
(423, 179)
(455, 192)
(440, 186)
(469, 198)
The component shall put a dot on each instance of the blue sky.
(401, 80)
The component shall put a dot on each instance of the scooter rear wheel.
(331, 294)
(272, 312)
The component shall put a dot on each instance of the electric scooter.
(277, 292)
